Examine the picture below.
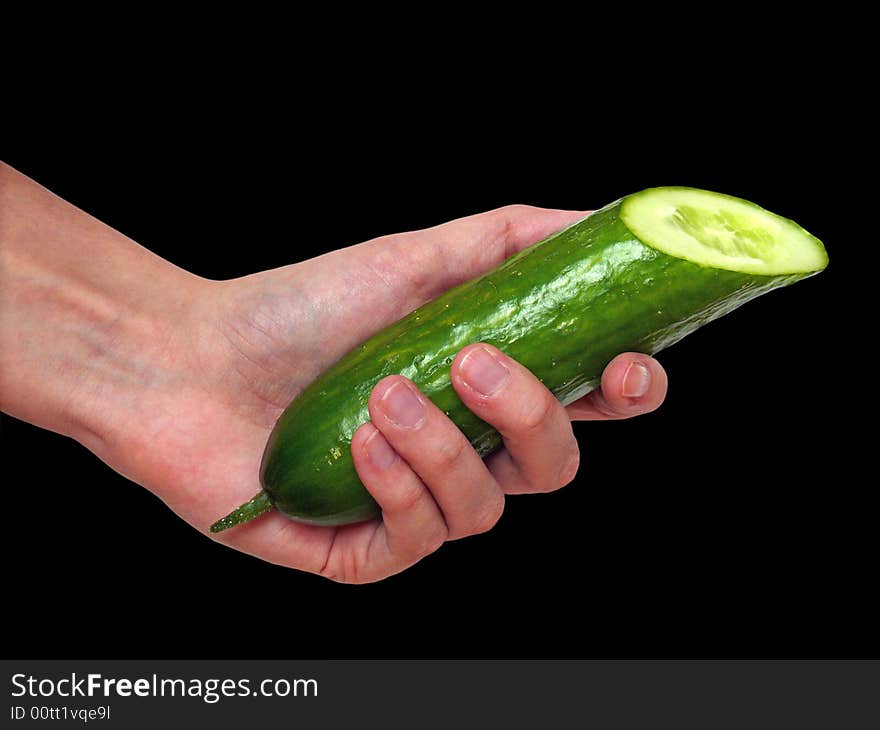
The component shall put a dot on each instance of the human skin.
(175, 381)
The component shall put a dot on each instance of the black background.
(735, 521)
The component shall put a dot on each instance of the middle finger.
(459, 481)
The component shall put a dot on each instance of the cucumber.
(639, 274)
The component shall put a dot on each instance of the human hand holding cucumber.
(177, 382)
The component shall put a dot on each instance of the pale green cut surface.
(721, 232)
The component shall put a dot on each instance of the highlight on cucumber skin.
(703, 253)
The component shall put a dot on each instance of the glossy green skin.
(563, 308)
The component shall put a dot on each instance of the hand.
(180, 396)
(272, 333)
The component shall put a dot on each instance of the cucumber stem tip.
(260, 504)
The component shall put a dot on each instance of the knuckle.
(412, 548)
(533, 485)
(510, 220)
(514, 211)
(489, 516)
(434, 539)
(407, 496)
(537, 412)
(448, 451)
(570, 465)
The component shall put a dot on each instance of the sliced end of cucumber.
(721, 232)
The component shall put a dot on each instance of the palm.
(271, 334)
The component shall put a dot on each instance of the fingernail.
(380, 453)
(636, 380)
(403, 406)
(482, 371)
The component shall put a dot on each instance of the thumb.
(423, 264)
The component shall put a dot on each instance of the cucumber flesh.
(721, 231)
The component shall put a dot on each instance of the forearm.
(87, 316)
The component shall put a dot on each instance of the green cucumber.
(639, 275)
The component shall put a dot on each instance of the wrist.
(123, 352)
(88, 319)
